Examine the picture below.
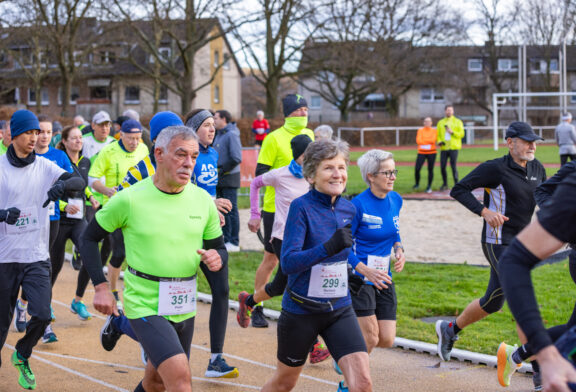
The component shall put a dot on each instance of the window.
(505, 65)
(132, 95)
(216, 94)
(315, 102)
(74, 95)
(573, 97)
(163, 53)
(44, 96)
(431, 95)
(106, 57)
(475, 65)
(216, 59)
(163, 98)
(77, 57)
(100, 92)
(226, 64)
(541, 66)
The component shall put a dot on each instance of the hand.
(223, 205)
(340, 240)
(104, 300)
(448, 130)
(55, 193)
(110, 191)
(222, 219)
(254, 225)
(10, 216)
(211, 258)
(400, 260)
(95, 203)
(556, 370)
(71, 210)
(376, 276)
(493, 218)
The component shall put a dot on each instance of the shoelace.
(451, 342)
(25, 369)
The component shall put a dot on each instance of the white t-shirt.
(26, 189)
(91, 146)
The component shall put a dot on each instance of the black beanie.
(299, 144)
(293, 102)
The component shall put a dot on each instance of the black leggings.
(493, 300)
(431, 158)
(564, 158)
(67, 231)
(444, 155)
(218, 281)
(278, 284)
(113, 243)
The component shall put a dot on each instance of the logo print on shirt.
(397, 222)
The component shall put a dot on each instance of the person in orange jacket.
(426, 140)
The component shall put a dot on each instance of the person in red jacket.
(426, 140)
(260, 127)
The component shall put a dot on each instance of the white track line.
(85, 376)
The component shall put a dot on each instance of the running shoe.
(415, 187)
(220, 369)
(506, 365)
(76, 260)
(258, 319)
(428, 190)
(446, 339)
(336, 367)
(319, 353)
(49, 335)
(444, 188)
(109, 335)
(341, 387)
(537, 380)
(52, 315)
(20, 316)
(244, 311)
(231, 248)
(26, 378)
(80, 309)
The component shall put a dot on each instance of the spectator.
(6, 139)
(450, 134)
(323, 132)
(565, 135)
(227, 144)
(426, 140)
(260, 128)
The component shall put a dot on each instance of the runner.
(43, 149)
(99, 138)
(218, 281)
(24, 235)
(276, 153)
(162, 318)
(112, 163)
(509, 184)
(510, 358)
(314, 256)
(376, 231)
(288, 183)
(553, 227)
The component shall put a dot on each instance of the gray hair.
(566, 116)
(323, 132)
(259, 112)
(369, 163)
(131, 113)
(322, 150)
(172, 132)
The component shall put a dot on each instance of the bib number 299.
(331, 283)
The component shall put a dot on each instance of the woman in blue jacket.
(315, 251)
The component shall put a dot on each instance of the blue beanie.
(162, 120)
(293, 102)
(129, 125)
(23, 121)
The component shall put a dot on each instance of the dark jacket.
(227, 144)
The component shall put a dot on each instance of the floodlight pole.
(495, 120)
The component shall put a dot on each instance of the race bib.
(425, 146)
(260, 131)
(381, 263)
(77, 203)
(27, 222)
(329, 280)
(447, 136)
(177, 297)
(51, 208)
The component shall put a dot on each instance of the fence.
(407, 135)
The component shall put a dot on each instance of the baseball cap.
(523, 131)
(101, 117)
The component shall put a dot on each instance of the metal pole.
(524, 86)
(565, 77)
(362, 137)
(520, 82)
(397, 137)
(495, 120)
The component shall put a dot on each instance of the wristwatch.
(396, 247)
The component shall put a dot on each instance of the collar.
(16, 161)
(323, 198)
(203, 150)
(122, 145)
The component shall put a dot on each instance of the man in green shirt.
(6, 138)
(276, 152)
(450, 133)
(184, 229)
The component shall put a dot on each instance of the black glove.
(340, 240)
(10, 216)
(55, 193)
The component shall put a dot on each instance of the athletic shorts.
(369, 301)
(268, 220)
(163, 339)
(298, 332)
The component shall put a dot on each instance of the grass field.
(427, 290)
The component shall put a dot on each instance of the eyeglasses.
(388, 173)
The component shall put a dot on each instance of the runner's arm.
(486, 175)
(218, 245)
(262, 168)
(90, 253)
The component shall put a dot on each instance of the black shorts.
(369, 301)
(268, 220)
(298, 332)
(163, 339)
